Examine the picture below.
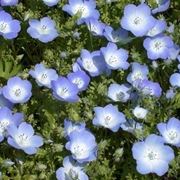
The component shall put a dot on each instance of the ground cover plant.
(89, 89)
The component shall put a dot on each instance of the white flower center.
(172, 135)
(43, 29)
(17, 92)
(137, 21)
(79, 151)
(82, 9)
(22, 140)
(152, 155)
(158, 46)
(120, 95)
(137, 75)
(4, 27)
(78, 81)
(107, 120)
(63, 92)
(89, 65)
(113, 59)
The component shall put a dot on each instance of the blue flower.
(149, 88)
(152, 156)
(93, 63)
(118, 92)
(115, 36)
(43, 30)
(82, 145)
(132, 126)
(108, 117)
(23, 138)
(158, 47)
(85, 8)
(95, 26)
(65, 90)
(175, 80)
(70, 127)
(163, 5)
(44, 76)
(17, 90)
(80, 79)
(170, 131)
(137, 19)
(7, 118)
(170, 93)
(115, 58)
(8, 2)
(159, 27)
(139, 72)
(9, 28)
(51, 3)
(4, 102)
(71, 170)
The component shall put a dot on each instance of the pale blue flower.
(108, 117)
(82, 145)
(71, 170)
(152, 156)
(115, 58)
(118, 92)
(44, 76)
(170, 131)
(23, 138)
(138, 19)
(17, 90)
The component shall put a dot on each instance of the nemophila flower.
(108, 117)
(71, 170)
(82, 145)
(8, 2)
(115, 58)
(158, 46)
(139, 72)
(65, 90)
(70, 127)
(159, 27)
(93, 63)
(8, 118)
(138, 19)
(80, 79)
(149, 88)
(44, 76)
(140, 112)
(170, 131)
(174, 52)
(17, 90)
(86, 9)
(163, 5)
(23, 138)
(43, 30)
(175, 80)
(152, 156)
(9, 27)
(132, 126)
(95, 26)
(51, 3)
(115, 35)
(170, 93)
(118, 92)
(4, 102)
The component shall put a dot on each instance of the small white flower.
(140, 112)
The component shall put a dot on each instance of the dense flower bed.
(89, 89)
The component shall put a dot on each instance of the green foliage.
(47, 115)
